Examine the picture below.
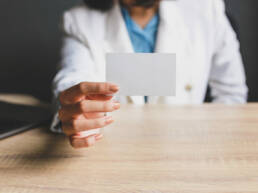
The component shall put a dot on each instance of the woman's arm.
(76, 66)
(81, 101)
(227, 78)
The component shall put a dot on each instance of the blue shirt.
(143, 40)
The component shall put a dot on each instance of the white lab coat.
(197, 31)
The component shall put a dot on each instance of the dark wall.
(246, 14)
(30, 42)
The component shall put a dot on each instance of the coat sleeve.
(227, 78)
(76, 66)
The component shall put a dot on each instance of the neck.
(142, 15)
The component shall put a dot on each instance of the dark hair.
(100, 5)
(105, 5)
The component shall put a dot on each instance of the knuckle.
(106, 106)
(98, 88)
(79, 143)
(73, 125)
(81, 87)
(91, 87)
(73, 143)
(102, 87)
(87, 143)
(105, 86)
(81, 106)
(99, 123)
(67, 129)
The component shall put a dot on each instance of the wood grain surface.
(149, 149)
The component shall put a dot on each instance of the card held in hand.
(142, 74)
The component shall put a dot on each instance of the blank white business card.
(142, 74)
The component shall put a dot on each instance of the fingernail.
(109, 120)
(91, 141)
(113, 88)
(98, 137)
(116, 105)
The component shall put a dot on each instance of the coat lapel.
(168, 28)
(118, 40)
(170, 34)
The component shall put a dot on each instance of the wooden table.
(149, 149)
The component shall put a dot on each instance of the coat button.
(188, 87)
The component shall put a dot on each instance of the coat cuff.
(56, 125)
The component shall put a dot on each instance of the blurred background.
(30, 41)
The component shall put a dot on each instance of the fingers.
(98, 137)
(88, 116)
(81, 142)
(80, 91)
(100, 97)
(87, 106)
(94, 115)
(79, 125)
(83, 110)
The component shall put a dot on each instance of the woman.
(197, 31)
